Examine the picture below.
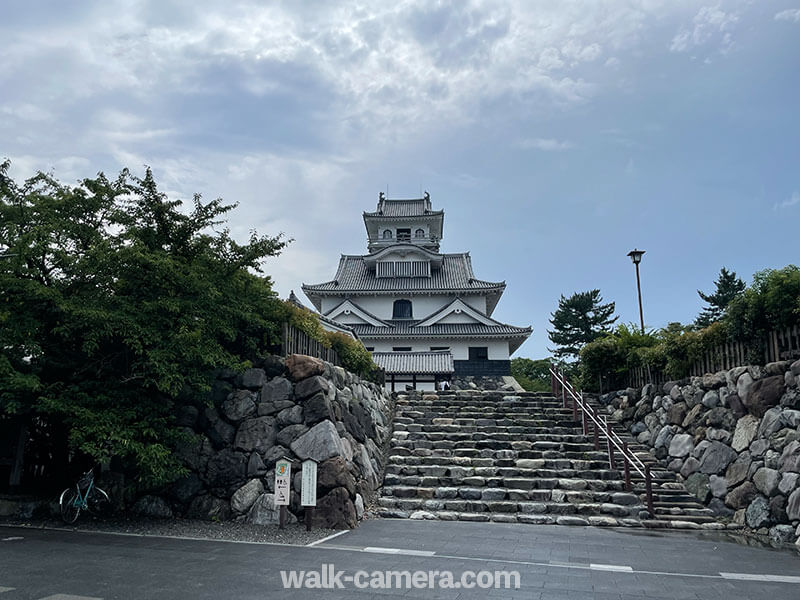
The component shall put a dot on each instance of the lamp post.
(636, 257)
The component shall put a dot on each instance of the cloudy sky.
(557, 134)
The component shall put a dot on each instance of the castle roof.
(410, 330)
(455, 274)
(414, 362)
(414, 207)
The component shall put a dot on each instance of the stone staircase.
(494, 456)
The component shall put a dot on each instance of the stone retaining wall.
(298, 408)
(480, 382)
(733, 436)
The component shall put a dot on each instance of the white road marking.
(330, 537)
(602, 567)
(761, 577)
(69, 597)
(13, 538)
(403, 551)
(5, 589)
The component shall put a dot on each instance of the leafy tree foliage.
(605, 361)
(578, 320)
(533, 375)
(771, 302)
(115, 302)
(728, 287)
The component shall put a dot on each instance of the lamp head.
(636, 256)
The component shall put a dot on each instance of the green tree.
(116, 305)
(728, 287)
(578, 320)
(771, 302)
(533, 375)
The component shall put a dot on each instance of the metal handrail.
(630, 460)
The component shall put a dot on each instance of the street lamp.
(636, 257)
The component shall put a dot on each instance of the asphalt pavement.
(398, 559)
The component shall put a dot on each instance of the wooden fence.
(783, 344)
(294, 341)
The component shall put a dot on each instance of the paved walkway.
(552, 562)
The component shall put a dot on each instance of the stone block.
(741, 496)
(744, 433)
(321, 442)
(681, 445)
(257, 434)
(716, 458)
(757, 514)
(763, 394)
(253, 379)
(245, 496)
(766, 481)
(301, 366)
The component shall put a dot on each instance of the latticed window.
(420, 233)
(402, 309)
(387, 234)
(403, 268)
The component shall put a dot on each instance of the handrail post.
(648, 482)
(574, 408)
(595, 428)
(610, 445)
(583, 416)
(627, 467)
(563, 391)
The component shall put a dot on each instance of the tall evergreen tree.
(729, 286)
(578, 320)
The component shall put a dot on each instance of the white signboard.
(308, 490)
(283, 474)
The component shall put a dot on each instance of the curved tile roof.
(455, 274)
(414, 362)
(410, 329)
(403, 208)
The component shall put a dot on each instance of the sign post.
(308, 489)
(283, 474)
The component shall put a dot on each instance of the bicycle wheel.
(70, 509)
(98, 502)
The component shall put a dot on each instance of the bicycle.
(85, 495)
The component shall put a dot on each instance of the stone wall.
(478, 382)
(733, 436)
(298, 408)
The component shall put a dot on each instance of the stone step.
(602, 520)
(591, 460)
(511, 429)
(683, 517)
(532, 443)
(511, 507)
(458, 436)
(499, 458)
(455, 475)
(465, 415)
(516, 483)
(466, 470)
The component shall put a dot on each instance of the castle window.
(402, 309)
(420, 233)
(404, 234)
(387, 234)
(478, 353)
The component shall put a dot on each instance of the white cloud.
(793, 201)
(791, 15)
(546, 144)
(709, 24)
